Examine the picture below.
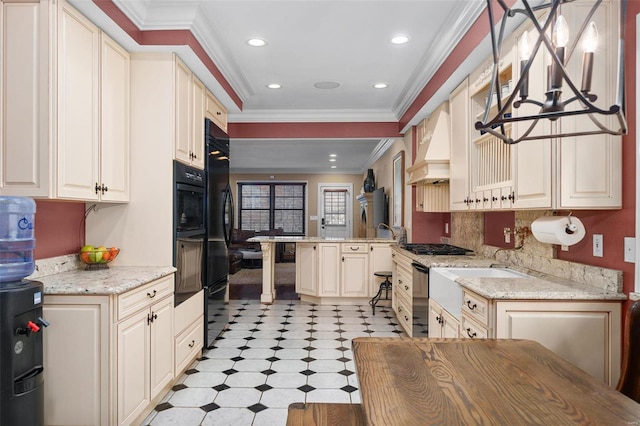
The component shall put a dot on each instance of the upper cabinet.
(215, 112)
(69, 138)
(574, 172)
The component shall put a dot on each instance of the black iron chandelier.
(553, 34)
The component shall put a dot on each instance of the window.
(266, 206)
(335, 207)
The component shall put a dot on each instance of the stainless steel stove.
(436, 249)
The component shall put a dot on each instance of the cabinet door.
(183, 93)
(591, 166)
(197, 141)
(78, 115)
(114, 116)
(379, 260)
(450, 325)
(162, 345)
(306, 269)
(215, 111)
(329, 269)
(355, 275)
(134, 356)
(459, 163)
(435, 319)
(585, 334)
(25, 83)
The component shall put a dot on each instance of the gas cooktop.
(436, 249)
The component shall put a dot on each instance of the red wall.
(59, 228)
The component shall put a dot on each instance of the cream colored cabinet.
(402, 291)
(587, 334)
(307, 269)
(145, 350)
(122, 359)
(379, 260)
(441, 323)
(329, 269)
(459, 158)
(354, 270)
(189, 116)
(66, 132)
(188, 323)
(214, 111)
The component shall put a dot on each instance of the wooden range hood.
(434, 140)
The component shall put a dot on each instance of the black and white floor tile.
(270, 356)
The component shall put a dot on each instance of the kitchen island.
(352, 252)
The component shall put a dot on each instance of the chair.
(629, 383)
(384, 285)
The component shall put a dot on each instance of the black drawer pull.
(472, 307)
(470, 334)
(151, 295)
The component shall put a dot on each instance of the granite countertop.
(294, 239)
(114, 280)
(540, 286)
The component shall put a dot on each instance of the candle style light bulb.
(561, 32)
(589, 44)
(590, 39)
(524, 51)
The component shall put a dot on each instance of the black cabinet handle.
(470, 334)
(151, 295)
(470, 306)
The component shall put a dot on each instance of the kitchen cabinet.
(402, 291)
(122, 360)
(329, 269)
(307, 269)
(459, 158)
(585, 333)
(189, 116)
(69, 138)
(441, 323)
(379, 260)
(214, 111)
(188, 323)
(354, 270)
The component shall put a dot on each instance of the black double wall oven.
(189, 230)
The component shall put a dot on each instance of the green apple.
(100, 251)
(87, 248)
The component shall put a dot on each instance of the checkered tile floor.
(271, 356)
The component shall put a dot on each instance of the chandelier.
(550, 34)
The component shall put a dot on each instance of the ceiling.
(308, 41)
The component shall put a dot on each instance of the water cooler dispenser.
(21, 322)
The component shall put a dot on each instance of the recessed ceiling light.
(333, 155)
(333, 167)
(380, 86)
(400, 39)
(274, 86)
(332, 159)
(256, 42)
(326, 85)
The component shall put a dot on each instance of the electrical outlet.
(598, 248)
(446, 228)
(630, 249)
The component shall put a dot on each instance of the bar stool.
(384, 285)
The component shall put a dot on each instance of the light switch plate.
(313, 217)
(598, 249)
(630, 249)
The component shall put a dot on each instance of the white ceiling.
(308, 41)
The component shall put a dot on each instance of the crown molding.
(378, 152)
(312, 116)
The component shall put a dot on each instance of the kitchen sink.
(448, 293)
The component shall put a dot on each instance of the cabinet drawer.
(187, 312)
(354, 248)
(469, 329)
(477, 307)
(189, 343)
(142, 297)
(404, 284)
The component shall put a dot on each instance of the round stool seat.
(384, 274)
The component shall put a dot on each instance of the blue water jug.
(17, 240)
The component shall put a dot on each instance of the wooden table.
(465, 382)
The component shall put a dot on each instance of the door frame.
(320, 209)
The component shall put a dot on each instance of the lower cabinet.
(402, 291)
(188, 325)
(107, 357)
(333, 270)
(441, 323)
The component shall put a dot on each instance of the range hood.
(432, 160)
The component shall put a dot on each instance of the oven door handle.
(420, 268)
(227, 199)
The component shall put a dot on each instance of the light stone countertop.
(294, 239)
(541, 286)
(114, 280)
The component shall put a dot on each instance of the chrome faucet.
(384, 225)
